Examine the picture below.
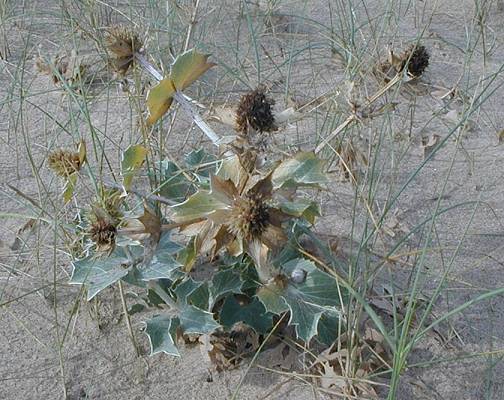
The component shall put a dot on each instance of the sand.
(97, 357)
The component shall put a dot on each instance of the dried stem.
(127, 317)
(351, 118)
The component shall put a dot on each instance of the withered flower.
(247, 216)
(67, 67)
(64, 162)
(418, 57)
(103, 233)
(239, 216)
(414, 58)
(104, 218)
(122, 42)
(244, 211)
(255, 111)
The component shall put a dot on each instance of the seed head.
(254, 111)
(250, 217)
(418, 57)
(64, 163)
(122, 42)
(103, 234)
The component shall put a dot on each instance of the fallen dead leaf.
(429, 143)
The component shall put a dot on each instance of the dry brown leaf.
(429, 143)
(282, 357)
(330, 379)
(19, 240)
(224, 115)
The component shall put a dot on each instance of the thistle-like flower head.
(64, 162)
(104, 218)
(250, 216)
(103, 233)
(255, 112)
(122, 43)
(418, 57)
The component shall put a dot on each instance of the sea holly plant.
(214, 247)
(241, 224)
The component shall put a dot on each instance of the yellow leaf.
(68, 190)
(132, 160)
(82, 151)
(188, 67)
(159, 100)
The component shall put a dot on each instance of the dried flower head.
(255, 111)
(418, 57)
(122, 42)
(64, 163)
(250, 216)
(69, 67)
(104, 218)
(103, 233)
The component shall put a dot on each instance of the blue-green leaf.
(224, 282)
(161, 330)
(173, 183)
(307, 301)
(195, 320)
(98, 273)
(253, 314)
(304, 169)
(328, 327)
(185, 288)
(163, 264)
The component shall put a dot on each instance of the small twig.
(153, 197)
(351, 118)
(128, 321)
(192, 23)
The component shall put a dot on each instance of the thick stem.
(164, 296)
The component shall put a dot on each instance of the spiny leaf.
(199, 205)
(302, 169)
(173, 183)
(132, 160)
(328, 327)
(162, 266)
(184, 290)
(271, 295)
(224, 282)
(161, 330)
(159, 100)
(306, 209)
(188, 67)
(99, 273)
(195, 320)
(253, 314)
(307, 302)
